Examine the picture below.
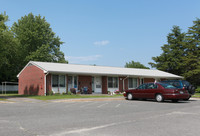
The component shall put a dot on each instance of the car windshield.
(167, 86)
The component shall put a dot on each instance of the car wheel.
(191, 89)
(175, 100)
(159, 98)
(130, 96)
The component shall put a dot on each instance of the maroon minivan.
(157, 91)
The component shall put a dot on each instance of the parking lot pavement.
(109, 117)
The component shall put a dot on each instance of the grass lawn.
(196, 95)
(51, 97)
(2, 99)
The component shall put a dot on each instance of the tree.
(171, 60)
(8, 49)
(133, 64)
(37, 41)
(181, 55)
(192, 57)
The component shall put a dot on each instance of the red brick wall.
(147, 80)
(31, 81)
(104, 85)
(126, 83)
(85, 81)
(121, 83)
(48, 83)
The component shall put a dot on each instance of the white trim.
(95, 79)
(136, 84)
(114, 88)
(58, 87)
(31, 62)
(45, 84)
(68, 89)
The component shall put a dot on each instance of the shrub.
(64, 93)
(73, 90)
(198, 89)
(117, 92)
(51, 92)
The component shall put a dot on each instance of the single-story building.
(39, 78)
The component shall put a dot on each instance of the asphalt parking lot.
(115, 117)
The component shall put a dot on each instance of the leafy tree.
(192, 57)
(181, 55)
(8, 52)
(30, 38)
(37, 41)
(171, 60)
(133, 64)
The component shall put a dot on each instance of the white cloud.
(101, 43)
(79, 59)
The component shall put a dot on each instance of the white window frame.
(133, 83)
(72, 81)
(113, 82)
(58, 80)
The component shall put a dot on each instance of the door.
(140, 91)
(69, 82)
(98, 85)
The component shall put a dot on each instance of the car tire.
(159, 98)
(130, 96)
(175, 100)
(191, 89)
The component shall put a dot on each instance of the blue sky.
(109, 32)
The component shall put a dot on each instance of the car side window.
(143, 86)
(176, 84)
(185, 83)
(152, 86)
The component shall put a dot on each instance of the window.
(112, 82)
(62, 81)
(186, 83)
(132, 82)
(143, 86)
(152, 86)
(58, 81)
(55, 81)
(167, 86)
(141, 80)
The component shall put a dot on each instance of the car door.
(151, 90)
(140, 91)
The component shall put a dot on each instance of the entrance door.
(98, 85)
(69, 82)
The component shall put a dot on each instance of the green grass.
(196, 95)
(52, 97)
(2, 99)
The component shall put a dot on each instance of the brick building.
(38, 78)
